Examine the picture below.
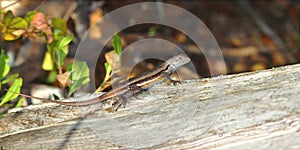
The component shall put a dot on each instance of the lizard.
(134, 85)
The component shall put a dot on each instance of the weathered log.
(244, 111)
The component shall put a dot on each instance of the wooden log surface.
(255, 110)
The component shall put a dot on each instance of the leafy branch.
(36, 24)
(54, 30)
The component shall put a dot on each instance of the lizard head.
(177, 61)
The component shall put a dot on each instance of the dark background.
(252, 35)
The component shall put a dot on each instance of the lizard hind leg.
(122, 101)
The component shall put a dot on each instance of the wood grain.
(244, 111)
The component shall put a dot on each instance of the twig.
(40, 5)
(11, 4)
(267, 30)
(70, 10)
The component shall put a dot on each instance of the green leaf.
(57, 34)
(65, 41)
(152, 31)
(48, 63)
(4, 67)
(10, 78)
(108, 70)
(79, 75)
(29, 16)
(52, 48)
(14, 88)
(18, 23)
(59, 24)
(78, 70)
(10, 36)
(2, 28)
(63, 49)
(15, 27)
(20, 102)
(51, 77)
(117, 44)
(77, 84)
(61, 55)
(7, 18)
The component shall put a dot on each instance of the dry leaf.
(239, 67)
(39, 21)
(258, 66)
(63, 79)
(278, 59)
(18, 32)
(49, 35)
(113, 59)
(95, 30)
(181, 38)
(96, 16)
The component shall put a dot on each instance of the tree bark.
(244, 111)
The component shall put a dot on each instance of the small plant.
(36, 24)
(116, 54)
(14, 80)
(54, 31)
(74, 75)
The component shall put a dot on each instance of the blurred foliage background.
(252, 35)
